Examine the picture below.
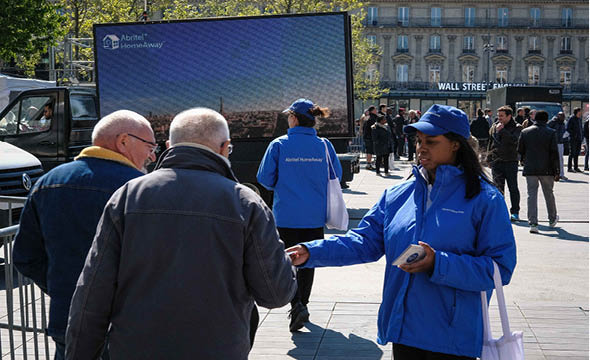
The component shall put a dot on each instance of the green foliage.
(27, 28)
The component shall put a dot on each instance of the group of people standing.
(383, 136)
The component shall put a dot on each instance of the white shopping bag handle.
(501, 307)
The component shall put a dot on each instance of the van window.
(30, 115)
(83, 107)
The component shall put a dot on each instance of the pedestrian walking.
(295, 168)
(538, 147)
(574, 128)
(398, 131)
(431, 308)
(503, 156)
(558, 124)
(367, 135)
(480, 129)
(180, 256)
(59, 219)
(382, 143)
(412, 118)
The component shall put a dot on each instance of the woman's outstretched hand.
(298, 254)
(424, 265)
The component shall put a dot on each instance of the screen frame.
(347, 53)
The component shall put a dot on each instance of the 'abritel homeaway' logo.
(110, 42)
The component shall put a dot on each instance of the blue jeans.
(507, 172)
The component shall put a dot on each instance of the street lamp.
(488, 48)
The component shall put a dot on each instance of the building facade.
(450, 52)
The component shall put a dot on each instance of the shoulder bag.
(336, 213)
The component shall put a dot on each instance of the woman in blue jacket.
(431, 308)
(295, 168)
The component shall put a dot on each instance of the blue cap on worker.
(301, 106)
(441, 119)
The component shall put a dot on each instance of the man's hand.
(499, 127)
(298, 254)
(424, 265)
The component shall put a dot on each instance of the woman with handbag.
(295, 168)
(431, 308)
(382, 136)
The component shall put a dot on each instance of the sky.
(256, 64)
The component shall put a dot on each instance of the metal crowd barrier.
(23, 307)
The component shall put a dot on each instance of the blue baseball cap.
(441, 119)
(301, 106)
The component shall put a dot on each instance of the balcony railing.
(468, 51)
(402, 50)
(565, 51)
(534, 51)
(502, 51)
(460, 22)
(434, 51)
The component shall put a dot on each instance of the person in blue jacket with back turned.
(295, 168)
(431, 309)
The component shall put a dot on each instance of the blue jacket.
(294, 167)
(439, 312)
(58, 224)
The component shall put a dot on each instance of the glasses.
(230, 147)
(152, 144)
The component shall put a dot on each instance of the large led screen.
(249, 69)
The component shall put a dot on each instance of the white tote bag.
(391, 161)
(509, 346)
(337, 215)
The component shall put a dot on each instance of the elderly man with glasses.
(59, 219)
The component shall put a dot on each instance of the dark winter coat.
(503, 144)
(480, 128)
(381, 139)
(538, 147)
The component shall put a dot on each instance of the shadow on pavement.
(562, 234)
(348, 191)
(333, 344)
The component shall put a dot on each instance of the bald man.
(59, 219)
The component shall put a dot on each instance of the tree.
(27, 28)
(365, 54)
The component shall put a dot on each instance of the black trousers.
(292, 237)
(411, 147)
(507, 172)
(403, 352)
(382, 160)
(574, 153)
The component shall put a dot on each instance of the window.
(435, 16)
(469, 16)
(403, 16)
(501, 74)
(566, 17)
(534, 74)
(434, 74)
(468, 43)
(566, 44)
(565, 76)
(371, 72)
(372, 39)
(372, 16)
(402, 72)
(83, 107)
(535, 16)
(533, 43)
(435, 43)
(468, 73)
(502, 43)
(402, 43)
(502, 17)
(29, 115)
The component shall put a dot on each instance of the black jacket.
(480, 128)
(503, 143)
(538, 147)
(179, 257)
(559, 127)
(367, 126)
(398, 123)
(381, 139)
(574, 127)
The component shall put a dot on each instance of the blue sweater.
(440, 312)
(294, 167)
(58, 224)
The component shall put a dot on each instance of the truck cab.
(53, 124)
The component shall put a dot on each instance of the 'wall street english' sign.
(467, 86)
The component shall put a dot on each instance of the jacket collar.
(189, 156)
(445, 175)
(98, 152)
(302, 130)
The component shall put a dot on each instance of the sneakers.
(554, 222)
(514, 217)
(534, 229)
(299, 316)
(564, 178)
(577, 170)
